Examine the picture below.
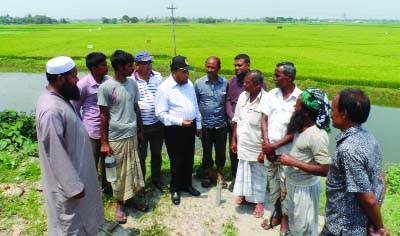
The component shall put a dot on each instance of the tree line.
(29, 19)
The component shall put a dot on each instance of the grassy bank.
(331, 56)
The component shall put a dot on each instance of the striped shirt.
(147, 92)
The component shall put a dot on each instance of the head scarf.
(316, 99)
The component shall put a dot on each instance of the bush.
(393, 180)
(17, 132)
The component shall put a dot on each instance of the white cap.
(59, 65)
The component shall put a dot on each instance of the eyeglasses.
(145, 62)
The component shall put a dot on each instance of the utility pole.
(172, 8)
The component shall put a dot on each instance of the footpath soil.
(199, 216)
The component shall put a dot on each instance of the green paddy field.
(330, 56)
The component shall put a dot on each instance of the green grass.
(325, 54)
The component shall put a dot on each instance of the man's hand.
(79, 195)
(379, 232)
(260, 157)
(199, 132)
(106, 149)
(186, 123)
(234, 147)
(287, 160)
(268, 148)
(272, 157)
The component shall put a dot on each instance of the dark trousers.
(217, 138)
(180, 143)
(99, 157)
(233, 156)
(153, 134)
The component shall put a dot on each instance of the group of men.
(280, 134)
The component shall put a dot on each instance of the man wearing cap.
(308, 159)
(177, 109)
(120, 125)
(211, 94)
(97, 65)
(148, 81)
(69, 177)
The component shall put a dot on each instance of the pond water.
(19, 91)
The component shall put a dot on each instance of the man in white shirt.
(277, 114)
(177, 109)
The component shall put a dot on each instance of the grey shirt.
(211, 98)
(120, 99)
(67, 167)
(356, 167)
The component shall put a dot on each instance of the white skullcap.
(59, 65)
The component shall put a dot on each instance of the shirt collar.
(258, 98)
(136, 76)
(296, 92)
(92, 82)
(219, 80)
(347, 133)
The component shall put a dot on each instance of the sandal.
(270, 224)
(258, 210)
(120, 215)
(135, 204)
(224, 185)
(241, 200)
(284, 233)
(206, 182)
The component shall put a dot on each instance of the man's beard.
(70, 92)
(296, 123)
(241, 75)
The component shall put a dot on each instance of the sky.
(231, 9)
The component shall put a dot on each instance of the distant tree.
(105, 20)
(114, 21)
(125, 19)
(208, 20)
(134, 19)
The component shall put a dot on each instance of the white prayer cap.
(59, 65)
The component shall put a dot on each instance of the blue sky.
(80, 9)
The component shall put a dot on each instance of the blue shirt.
(356, 167)
(211, 98)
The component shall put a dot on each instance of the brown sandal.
(120, 215)
(270, 224)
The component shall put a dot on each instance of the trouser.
(217, 138)
(100, 157)
(302, 203)
(153, 134)
(233, 156)
(180, 143)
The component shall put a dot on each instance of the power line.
(172, 8)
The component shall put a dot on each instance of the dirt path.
(198, 216)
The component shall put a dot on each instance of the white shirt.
(248, 129)
(175, 103)
(147, 101)
(279, 112)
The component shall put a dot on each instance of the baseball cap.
(143, 56)
(180, 62)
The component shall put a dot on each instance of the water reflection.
(19, 91)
